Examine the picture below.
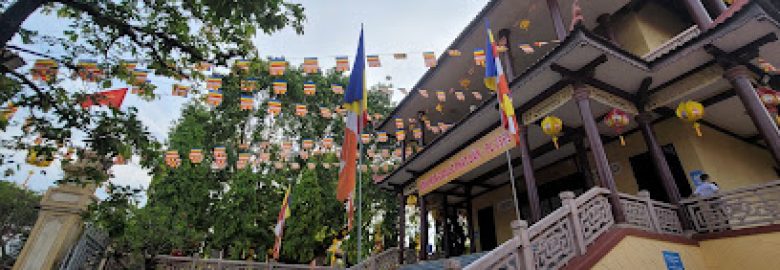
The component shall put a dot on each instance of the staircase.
(442, 263)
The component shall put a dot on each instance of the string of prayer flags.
(526, 48)
(214, 83)
(430, 59)
(243, 160)
(249, 85)
(307, 143)
(381, 136)
(309, 88)
(196, 155)
(479, 57)
(311, 65)
(400, 135)
(172, 158)
(88, 70)
(327, 142)
(277, 66)
(373, 60)
(454, 53)
(247, 102)
(274, 106)
(300, 110)
(180, 90)
(214, 97)
(140, 76)
(342, 63)
(459, 95)
(417, 133)
(365, 138)
(441, 96)
(241, 64)
(399, 56)
(325, 112)
(337, 88)
(399, 123)
(477, 95)
(280, 87)
(44, 70)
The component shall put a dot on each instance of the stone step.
(439, 264)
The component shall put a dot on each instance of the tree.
(19, 214)
(169, 36)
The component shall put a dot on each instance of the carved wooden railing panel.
(752, 206)
(650, 215)
(595, 213)
(554, 246)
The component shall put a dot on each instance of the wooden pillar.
(582, 98)
(739, 76)
(698, 13)
(401, 224)
(403, 149)
(528, 175)
(581, 160)
(423, 229)
(446, 227)
(557, 19)
(661, 165)
(470, 221)
(716, 7)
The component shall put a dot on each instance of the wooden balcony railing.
(746, 207)
(386, 260)
(672, 43)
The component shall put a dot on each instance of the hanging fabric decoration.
(180, 90)
(277, 66)
(399, 123)
(443, 126)
(399, 56)
(303, 154)
(279, 165)
(691, 111)
(381, 136)
(88, 71)
(214, 83)
(248, 85)
(539, 44)
(365, 138)
(265, 157)
(325, 112)
(342, 63)
(214, 97)
(385, 153)
(479, 57)
(287, 145)
(196, 155)
(327, 142)
(220, 158)
(477, 95)
(373, 60)
(423, 93)
(311, 165)
(311, 65)
(441, 95)
(770, 98)
(44, 70)
(247, 102)
(243, 160)
(128, 66)
(526, 48)
(417, 133)
(430, 59)
(400, 135)
(453, 53)
(552, 126)
(617, 120)
(337, 88)
(295, 166)
(459, 95)
(307, 143)
(300, 110)
(280, 87)
(241, 64)
(325, 165)
(766, 66)
(140, 77)
(172, 159)
(274, 107)
(309, 88)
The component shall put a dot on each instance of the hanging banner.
(180, 90)
(249, 85)
(430, 59)
(277, 66)
(337, 88)
(311, 65)
(280, 87)
(342, 63)
(479, 57)
(480, 152)
(309, 88)
(247, 102)
(373, 61)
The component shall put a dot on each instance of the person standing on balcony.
(707, 188)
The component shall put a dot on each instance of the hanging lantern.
(617, 120)
(325, 165)
(277, 66)
(552, 126)
(247, 102)
(249, 85)
(417, 133)
(691, 111)
(279, 165)
(300, 110)
(441, 96)
(304, 154)
(280, 87)
(214, 97)
(411, 200)
(337, 89)
(327, 142)
(311, 165)
(325, 112)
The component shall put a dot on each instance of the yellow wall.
(745, 252)
(502, 219)
(641, 253)
(641, 32)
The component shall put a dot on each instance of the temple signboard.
(481, 151)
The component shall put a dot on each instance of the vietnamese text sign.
(673, 260)
(483, 150)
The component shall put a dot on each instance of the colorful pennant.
(373, 60)
(337, 88)
(277, 66)
(479, 57)
(430, 59)
(309, 88)
(180, 90)
(342, 63)
(274, 106)
(214, 98)
(311, 65)
(280, 87)
(247, 102)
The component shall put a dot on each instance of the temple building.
(649, 95)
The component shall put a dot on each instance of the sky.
(331, 29)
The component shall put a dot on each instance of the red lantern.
(617, 119)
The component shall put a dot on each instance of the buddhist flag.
(441, 95)
(477, 95)
(373, 61)
(423, 93)
(526, 48)
(496, 80)
(202, 66)
(430, 59)
(307, 143)
(342, 63)
(300, 110)
(214, 83)
(355, 101)
(247, 102)
(417, 133)
(479, 57)
(243, 160)
(214, 98)
(172, 159)
(110, 98)
(196, 155)
(327, 142)
(337, 88)
(129, 65)
(399, 56)
(88, 71)
(381, 136)
(220, 158)
(248, 85)
(274, 106)
(311, 65)
(280, 87)
(277, 66)
(399, 123)
(241, 64)
(309, 88)
(325, 112)
(44, 70)
(453, 53)
(284, 213)
(180, 90)
(140, 76)
(400, 135)
(365, 138)
(459, 96)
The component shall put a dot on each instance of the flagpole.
(512, 180)
(360, 181)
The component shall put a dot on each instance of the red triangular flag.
(110, 98)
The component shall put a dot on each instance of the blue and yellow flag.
(355, 102)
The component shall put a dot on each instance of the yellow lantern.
(411, 200)
(552, 126)
(691, 111)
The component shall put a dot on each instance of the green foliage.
(18, 208)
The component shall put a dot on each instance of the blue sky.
(331, 29)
